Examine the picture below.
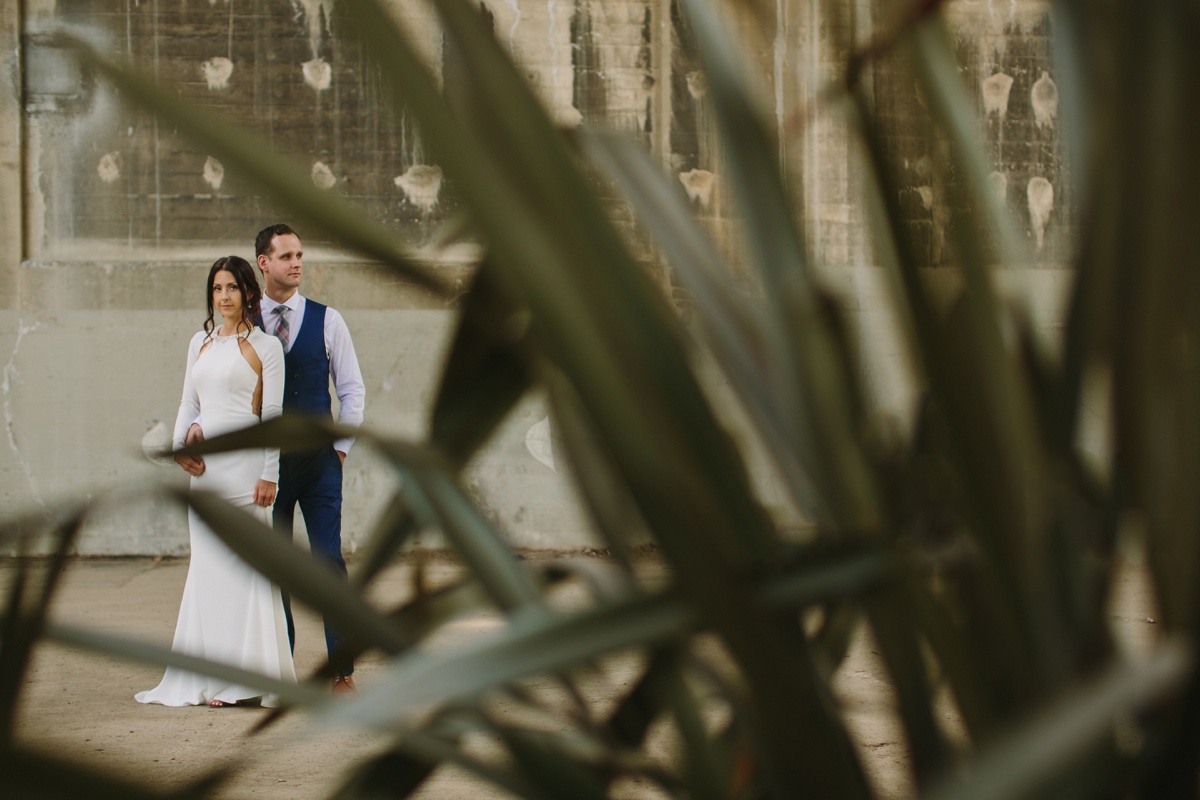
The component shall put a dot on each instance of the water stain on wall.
(698, 183)
(288, 75)
(995, 94)
(322, 176)
(421, 185)
(317, 73)
(1040, 196)
(1044, 97)
(216, 72)
(214, 173)
(999, 185)
(107, 169)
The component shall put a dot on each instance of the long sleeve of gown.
(270, 353)
(189, 404)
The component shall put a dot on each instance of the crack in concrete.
(7, 387)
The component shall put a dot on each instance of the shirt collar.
(268, 305)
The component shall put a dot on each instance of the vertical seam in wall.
(21, 224)
(157, 143)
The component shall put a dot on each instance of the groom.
(316, 347)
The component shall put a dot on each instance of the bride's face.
(227, 296)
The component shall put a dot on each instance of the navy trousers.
(314, 481)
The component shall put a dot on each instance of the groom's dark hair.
(262, 242)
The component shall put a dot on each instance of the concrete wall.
(110, 219)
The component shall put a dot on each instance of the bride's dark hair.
(247, 282)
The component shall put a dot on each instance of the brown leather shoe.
(344, 684)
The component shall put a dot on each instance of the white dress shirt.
(343, 362)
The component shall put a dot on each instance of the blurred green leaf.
(531, 644)
(550, 772)
(43, 522)
(1047, 744)
(525, 646)
(307, 579)
(299, 694)
(391, 776)
(602, 489)
(802, 359)
(733, 328)
(397, 524)
(24, 617)
(478, 542)
(43, 777)
(288, 432)
(486, 373)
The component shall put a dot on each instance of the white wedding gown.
(229, 613)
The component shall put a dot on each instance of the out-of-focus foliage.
(979, 551)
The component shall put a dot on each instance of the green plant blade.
(526, 647)
(395, 526)
(733, 330)
(601, 487)
(802, 354)
(38, 776)
(1046, 745)
(42, 522)
(549, 771)
(395, 774)
(477, 542)
(534, 644)
(24, 619)
(486, 372)
(297, 694)
(288, 432)
(306, 579)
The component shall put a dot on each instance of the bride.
(229, 613)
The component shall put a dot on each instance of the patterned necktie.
(281, 326)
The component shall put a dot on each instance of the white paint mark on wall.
(698, 183)
(926, 195)
(539, 444)
(421, 184)
(1040, 194)
(107, 169)
(318, 74)
(216, 72)
(999, 183)
(569, 117)
(214, 173)
(995, 94)
(156, 444)
(322, 176)
(697, 84)
(1044, 95)
(7, 386)
(923, 167)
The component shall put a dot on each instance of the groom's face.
(282, 266)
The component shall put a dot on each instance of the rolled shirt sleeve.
(347, 377)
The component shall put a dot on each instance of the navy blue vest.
(306, 367)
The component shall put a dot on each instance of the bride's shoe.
(214, 703)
